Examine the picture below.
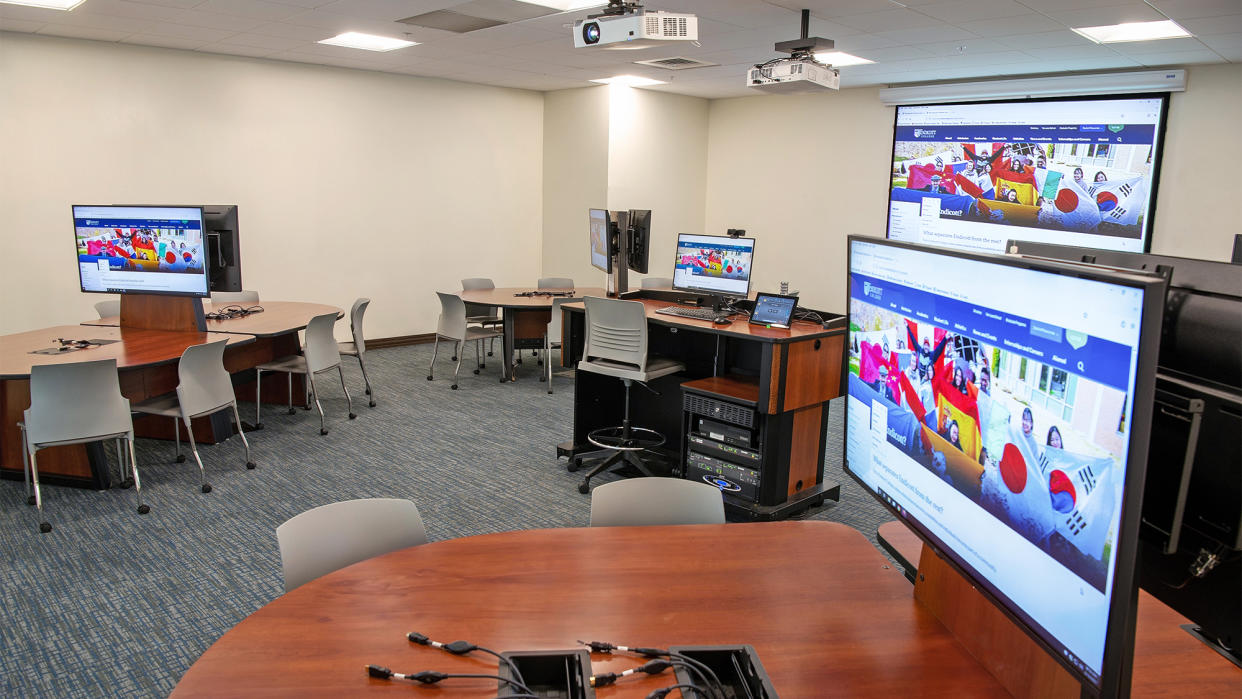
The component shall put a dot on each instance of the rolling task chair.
(452, 326)
(338, 534)
(552, 339)
(319, 355)
(204, 388)
(358, 347)
(74, 404)
(653, 501)
(107, 309)
(244, 296)
(555, 283)
(478, 314)
(616, 345)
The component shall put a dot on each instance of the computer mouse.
(721, 320)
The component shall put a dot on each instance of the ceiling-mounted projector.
(800, 72)
(626, 25)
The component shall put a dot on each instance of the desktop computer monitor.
(1000, 407)
(601, 241)
(638, 240)
(141, 249)
(713, 264)
(223, 247)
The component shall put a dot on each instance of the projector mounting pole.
(806, 24)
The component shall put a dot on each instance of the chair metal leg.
(348, 401)
(30, 498)
(202, 473)
(133, 465)
(585, 486)
(323, 423)
(177, 431)
(458, 369)
(362, 365)
(44, 525)
(456, 351)
(435, 349)
(478, 355)
(289, 384)
(242, 433)
(258, 399)
(126, 481)
(491, 346)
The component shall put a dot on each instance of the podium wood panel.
(154, 312)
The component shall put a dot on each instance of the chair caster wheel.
(573, 465)
(452, 359)
(257, 427)
(549, 391)
(304, 407)
(143, 509)
(250, 465)
(540, 362)
(45, 527)
(180, 459)
(323, 430)
(584, 488)
(428, 377)
(542, 378)
(353, 416)
(454, 387)
(489, 354)
(368, 391)
(372, 404)
(476, 371)
(293, 411)
(206, 488)
(127, 484)
(30, 500)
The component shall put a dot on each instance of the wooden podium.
(154, 312)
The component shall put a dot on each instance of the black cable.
(664, 691)
(462, 648)
(704, 672)
(434, 677)
(651, 667)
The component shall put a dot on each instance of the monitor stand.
(157, 312)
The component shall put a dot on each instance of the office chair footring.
(615, 438)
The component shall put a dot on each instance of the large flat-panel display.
(1079, 171)
(141, 249)
(601, 250)
(1001, 408)
(713, 264)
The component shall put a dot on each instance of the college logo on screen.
(872, 290)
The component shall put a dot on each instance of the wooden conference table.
(147, 364)
(824, 610)
(525, 317)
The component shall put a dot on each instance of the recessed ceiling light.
(46, 4)
(368, 42)
(1133, 31)
(836, 59)
(631, 80)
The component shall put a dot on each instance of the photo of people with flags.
(1037, 447)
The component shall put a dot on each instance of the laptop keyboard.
(682, 311)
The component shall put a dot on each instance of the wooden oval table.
(825, 611)
(525, 317)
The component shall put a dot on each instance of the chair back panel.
(204, 384)
(321, 349)
(477, 284)
(556, 283)
(452, 323)
(76, 401)
(333, 536)
(107, 309)
(243, 296)
(616, 330)
(656, 501)
(356, 313)
(554, 326)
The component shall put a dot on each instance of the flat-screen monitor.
(638, 240)
(1079, 171)
(713, 264)
(223, 247)
(601, 245)
(1000, 406)
(140, 249)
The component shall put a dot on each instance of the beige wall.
(1198, 210)
(802, 172)
(575, 178)
(348, 183)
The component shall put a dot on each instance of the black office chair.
(616, 345)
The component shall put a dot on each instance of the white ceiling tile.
(974, 10)
(1178, 58)
(390, 10)
(1050, 41)
(1209, 26)
(965, 46)
(184, 31)
(1099, 16)
(235, 50)
(928, 35)
(1010, 26)
(1224, 44)
(285, 30)
(130, 25)
(184, 4)
(271, 44)
(91, 33)
(1051, 6)
(27, 14)
(163, 41)
(1148, 48)
(254, 9)
(126, 8)
(889, 20)
(1190, 9)
(20, 25)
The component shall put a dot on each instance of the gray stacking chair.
(319, 355)
(657, 283)
(556, 283)
(357, 348)
(109, 308)
(552, 339)
(204, 388)
(479, 314)
(332, 536)
(616, 345)
(653, 501)
(244, 296)
(452, 326)
(73, 404)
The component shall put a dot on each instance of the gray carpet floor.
(111, 603)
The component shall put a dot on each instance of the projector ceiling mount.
(801, 71)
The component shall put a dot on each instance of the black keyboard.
(684, 312)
